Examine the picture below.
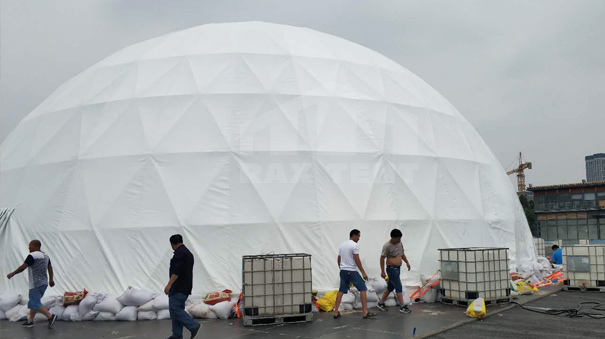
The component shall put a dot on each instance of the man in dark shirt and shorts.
(179, 288)
(394, 254)
(36, 263)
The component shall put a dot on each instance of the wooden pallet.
(278, 319)
(584, 289)
(465, 303)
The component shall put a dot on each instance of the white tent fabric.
(247, 138)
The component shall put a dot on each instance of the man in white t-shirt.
(349, 263)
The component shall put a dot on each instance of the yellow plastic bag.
(524, 288)
(477, 309)
(328, 301)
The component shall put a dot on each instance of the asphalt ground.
(519, 323)
(429, 320)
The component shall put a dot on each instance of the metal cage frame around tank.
(540, 247)
(271, 288)
(496, 285)
(584, 267)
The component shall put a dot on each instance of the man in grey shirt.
(37, 262)
(394, 254)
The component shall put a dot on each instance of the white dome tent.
(247, 138)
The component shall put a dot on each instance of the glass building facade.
(595, 167)
(570, 212)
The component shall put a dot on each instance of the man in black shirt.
(179, 288)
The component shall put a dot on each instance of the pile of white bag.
(221, 310)
(376, 288)
(108, 308)
(380, 285)
(134, 304)
(81, 312)
(16, 307)
(534, 271)
(157, 308)
(8, 301)
(10, 308)
(429, 296)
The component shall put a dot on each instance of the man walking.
(394, 254)
(179, 288)
(36, 263)
(350, 264)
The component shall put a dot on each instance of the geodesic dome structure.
(247, 138)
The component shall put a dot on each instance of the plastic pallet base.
(465, 303)
(280, 319)
(584, 289)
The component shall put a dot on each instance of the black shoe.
(369, 315)
(405, 309)
(51, 321)
(28, 325)
(194, 332)
(381, 306)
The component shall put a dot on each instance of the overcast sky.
(529, 75)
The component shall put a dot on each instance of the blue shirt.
(557, 257)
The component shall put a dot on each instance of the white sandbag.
(90, 316)
(58, 311)
(372, 296)
(49, 302)
(39, 317)
(17, 313)
(194, 299)
(87, 304)
(160, 302)
(135, 297)
(105, 316)
(430, 296)
(69, 312)
(372, 304)
(406, 298)
(148, 307)
(390, 302)
(9, 301)
(314, 309)
(378, 284)
(528, 268)
(201, 311)
(164, 314)
(223, 309)
(147, 315)
(345, 307)
(128, 313)
(545, 263)
(110, 304)
(2, 315)
(348, 298)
